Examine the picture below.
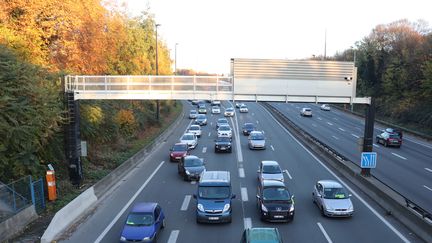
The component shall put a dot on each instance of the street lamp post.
(157, 72)
(175, 59)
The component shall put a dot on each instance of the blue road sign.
(368, 160)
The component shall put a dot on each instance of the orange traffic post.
(52, 190)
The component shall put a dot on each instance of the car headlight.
(187, 172)
(146, 239)
(351, 208)
(263, 208)
(291, 209)
(226, 208)
(200, 207)
(329, 208)
(122, 238)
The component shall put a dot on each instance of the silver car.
(229, 111)
(195, 129)
(224, 131)
(256, 140)
(190, 139)
(270, 170)
(332, 199)
(193, 114)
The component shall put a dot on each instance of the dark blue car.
(143, 223)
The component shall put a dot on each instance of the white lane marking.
(335, 137)
(247, 223)
(397, 155)
(187, 128)
(376, 146)
(314, 125)
(343, 130)
(319, 118)
(428, 169)
(419, 143)
(237, 139)
(257, 122)
(253, 114)
(390, 226)
(116, 218)
(244, 194)
(430, 189)
(355, 135)
(288, 174)
(211, 123)
(271, 146)
(185, 203)
(297, 107)
(204, 150)
(324, 233)
(193, 182)
(209, 134)
(331, 124)
(241, 173)
(173, 236)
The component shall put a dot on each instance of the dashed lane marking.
(247, 223)
(399, 156)
(324, 233)
(343, 130)
(173, 236)
(335, 137)
(288, 174)
(430, 189)
(185, 203)
(204, 150)
(355, 135)
(428, 169)
(331, 124)
(244, 194)
(241, 173)
(271, 146)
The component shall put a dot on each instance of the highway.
(155, 179)
(408, 169)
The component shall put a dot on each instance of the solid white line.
(237, 139)
(428, 169)
(324, 233)
(430, 189)
(244, 194)
(335, 138)
(397, 155)
(331, 124)
(314, 125)
(173, 236)
(204, 150)
(185, 203)
(271, 146)
(376, 146)
(390, 226)
(355, 135)
(116, 218)
(343, 130)
(288, 174)
(241, 173)
(247, 223)
(190, 123)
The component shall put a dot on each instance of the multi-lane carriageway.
(156, 179)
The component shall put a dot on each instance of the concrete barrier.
(17, 223)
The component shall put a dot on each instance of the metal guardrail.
(409, 203)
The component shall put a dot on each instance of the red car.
(178, 151)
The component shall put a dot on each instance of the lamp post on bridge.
(157, 71)
(175, 59)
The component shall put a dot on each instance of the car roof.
(193, 111)
(194, 125)
(263, 235)
(202, 115)
(191, 157)
(255, 132)
(272, 183)
(330, 183)
(229, 108)
(188, 133)
(143, 207)
(215, 178)
(179, 144)
(269, 162)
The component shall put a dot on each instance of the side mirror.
(349, 195)
(194, 196)
(257, 196)
(258, 171)
(233, 196)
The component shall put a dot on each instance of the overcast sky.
(211, 32)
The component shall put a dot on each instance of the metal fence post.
(32, 192)
(14, 200)
(42, 192)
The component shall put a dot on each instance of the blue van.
(214, 196)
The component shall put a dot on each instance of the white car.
(195, 129)
(193, 114)
(256, 140)
(325, 107)
(306, 112)
(229, 111)
(224, 131)
(216, 102)
(332, 199)
(243, 109)
(190, 139)
(238, 104)
(270, 170)
(215, 110)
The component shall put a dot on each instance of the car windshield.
(223, 121)
(180, 147)
(243, 106)
(271, 169)
(194, 128)
(394, 136)
(335, 193)
(223, 139)
(215, 108)
(257, 136)
(307, 109)
(201, 117)
(193, 162)
(214, 192)
(140, 219)
(193, 112)
(187, 137)
(276, 194)
(224, 128)
(229, 109)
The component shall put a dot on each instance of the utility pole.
(175, 59)
(325, 44)
(157, 73)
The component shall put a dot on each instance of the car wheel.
(230, 151)
(385, 144)
(163, 224)
(198, 221)
(322, 211)
(216, 150)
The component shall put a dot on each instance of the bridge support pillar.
(368, 132)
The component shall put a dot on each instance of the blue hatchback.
(143, 223)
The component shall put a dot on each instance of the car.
(325, 107)
(178, 151)
(389, 139)
(195, 102)
(229, 111)
(201, 120)
(275, 202)
(216, 102)
(195, 129)
(256, 140)
(270, 170)
(221, 121)
(215, 110)
(143, 223)
(214, 197)
(190, 139)
(191, 167)
(259, 235)
(248, 128)
(332, 199)
(237, 105)
(224, 131)
(243, 109)
(202, 109)
(200, 103)
(394, 130)
(306, 112)
(223, 144)
(193, 114)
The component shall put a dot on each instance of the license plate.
(213, 218)
(278, 216)
(222, 148)
(178, 157)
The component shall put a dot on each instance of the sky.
(211, 32)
